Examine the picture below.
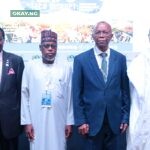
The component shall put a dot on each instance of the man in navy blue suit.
(101, 98)
(11, 69)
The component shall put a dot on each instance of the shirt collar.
(98, 52)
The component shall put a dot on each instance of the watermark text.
(24, 13)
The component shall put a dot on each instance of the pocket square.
(11, 71)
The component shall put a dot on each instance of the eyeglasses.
(53, 46)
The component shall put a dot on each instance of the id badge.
(46, 99)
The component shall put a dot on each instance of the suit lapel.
(95, 67)
(4, 69)
(112, 65)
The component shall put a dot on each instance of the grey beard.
(48, 60)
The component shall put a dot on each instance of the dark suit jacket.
(10, 94)
(92, 97)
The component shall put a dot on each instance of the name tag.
(46, 99)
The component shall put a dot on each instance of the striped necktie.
(104, 65)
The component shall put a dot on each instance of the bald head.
(102, 22)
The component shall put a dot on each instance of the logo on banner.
(24, 13)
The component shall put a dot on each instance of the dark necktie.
(104, 65)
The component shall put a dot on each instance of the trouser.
(105, 139)
(8, 144)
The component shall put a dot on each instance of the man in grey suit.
(11, 68)
(101, 92)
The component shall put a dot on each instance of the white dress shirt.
(97, 53)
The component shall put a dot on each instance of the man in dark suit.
(101, 92)
(11, 68)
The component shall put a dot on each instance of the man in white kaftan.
(46, 106)
(139, 126)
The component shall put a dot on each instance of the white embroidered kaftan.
(139, 127)
(48, 123)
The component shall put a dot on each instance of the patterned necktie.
(104, 65)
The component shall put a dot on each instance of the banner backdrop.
(73, 20)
